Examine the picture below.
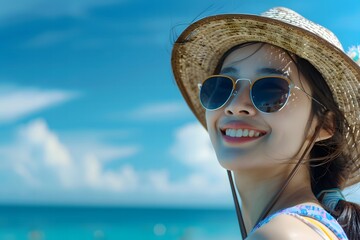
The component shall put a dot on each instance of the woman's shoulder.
(304, 221)
(285, 226)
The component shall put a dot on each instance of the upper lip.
(239, 125)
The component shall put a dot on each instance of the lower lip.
(239, 139)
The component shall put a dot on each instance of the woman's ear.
(328, 128)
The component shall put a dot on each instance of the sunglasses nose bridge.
(240, 101)
(237, 89)
(240, 91)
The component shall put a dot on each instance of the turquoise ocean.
(116, 223)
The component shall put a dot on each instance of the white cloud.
(192, 147)
(16, 102)
(205, 177)
(25, 174)
(122, 180)
(159, 111)
(37, 134)
(43, 161)
(45, 152)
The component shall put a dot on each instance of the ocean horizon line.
(112, 205)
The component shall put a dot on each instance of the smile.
(241, 135)
(238, 133)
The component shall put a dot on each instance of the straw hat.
(199, 48)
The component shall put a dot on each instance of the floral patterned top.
(311, 211)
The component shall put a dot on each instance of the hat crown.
(293, 18)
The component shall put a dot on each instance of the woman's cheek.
(288, 131)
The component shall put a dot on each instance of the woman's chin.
(237, 165)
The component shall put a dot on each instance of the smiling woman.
(280, 101)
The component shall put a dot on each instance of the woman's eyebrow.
(265, 71)
(261, 71)
(229, 70)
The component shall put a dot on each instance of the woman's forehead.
(258, 56)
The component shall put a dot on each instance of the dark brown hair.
(330, 165)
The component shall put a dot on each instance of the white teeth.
(245, 133)
(241, 133)
(251, 133)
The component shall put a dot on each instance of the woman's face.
(275, 137)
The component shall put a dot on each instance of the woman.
(281, 103)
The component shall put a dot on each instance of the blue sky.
(90, 113)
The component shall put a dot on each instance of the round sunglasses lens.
(215, 91)
(270, 94)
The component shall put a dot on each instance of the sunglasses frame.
(234, 91)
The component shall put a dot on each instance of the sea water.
(116, 223)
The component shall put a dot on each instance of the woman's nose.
(240, 102)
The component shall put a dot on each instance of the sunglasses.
(268, 94)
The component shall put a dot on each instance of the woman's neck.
(258, 188)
